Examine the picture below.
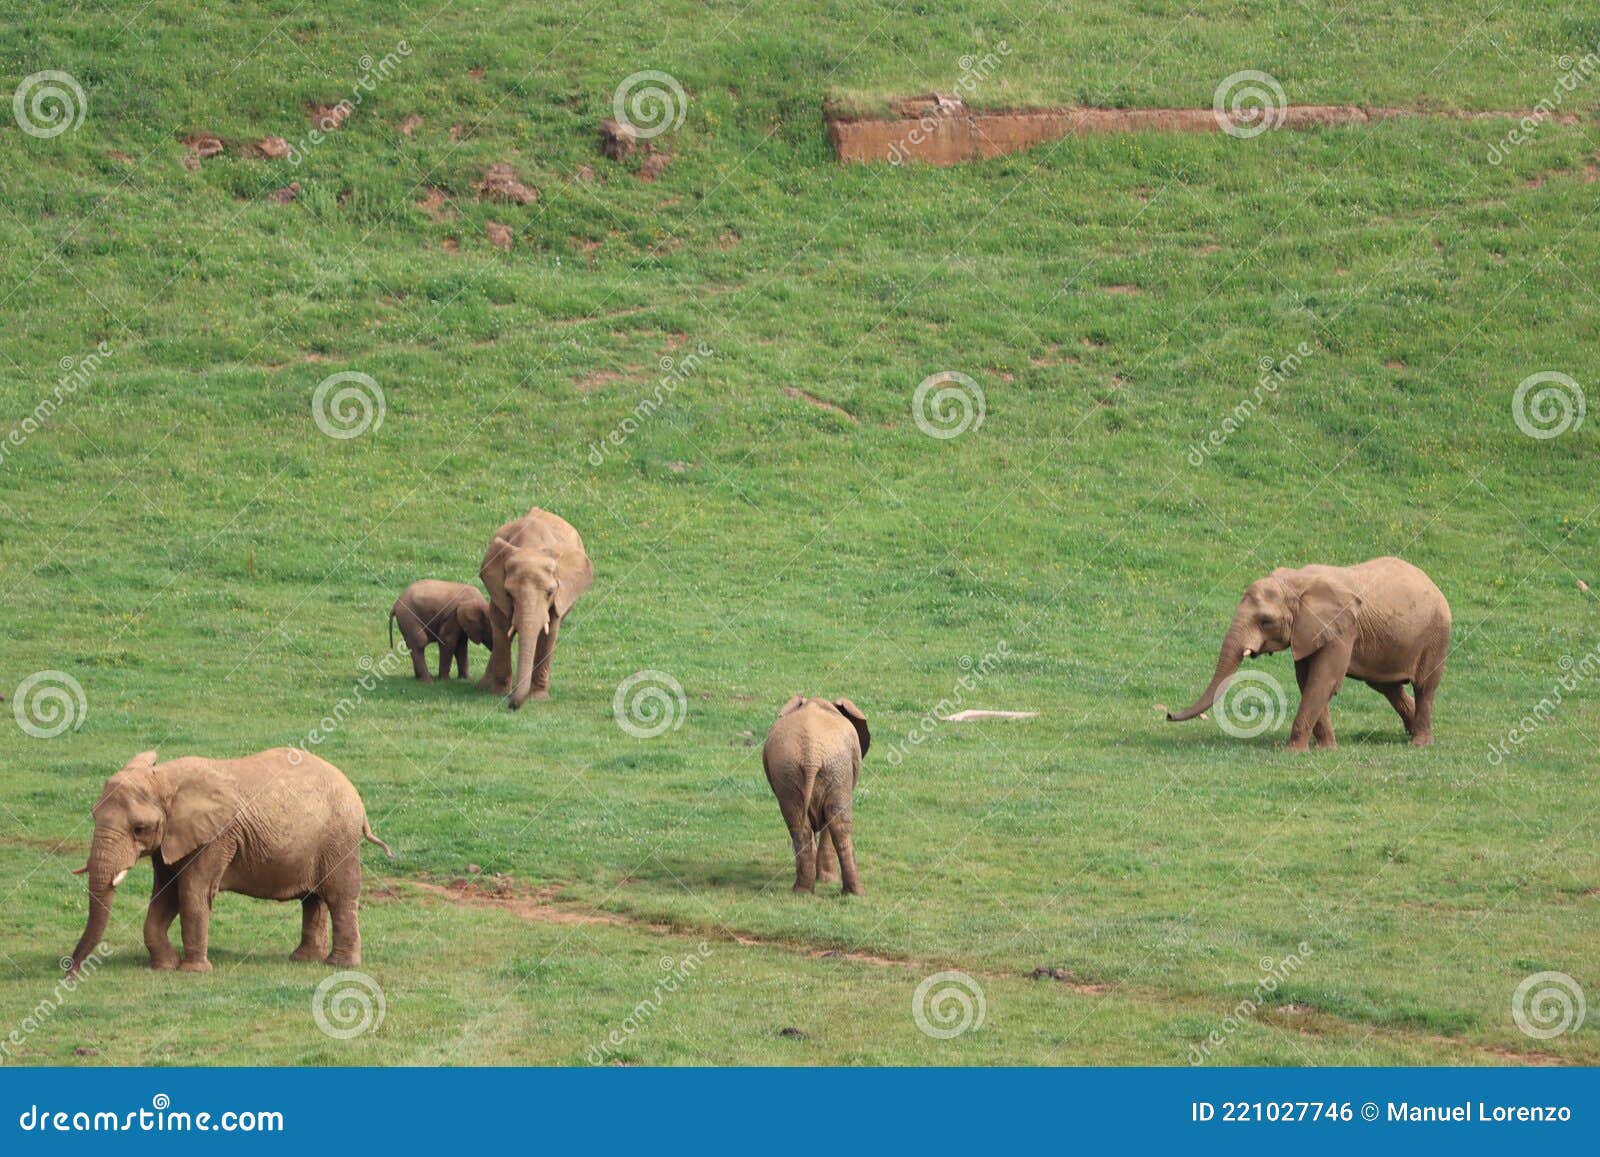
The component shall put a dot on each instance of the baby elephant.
(813, 759)
(280, 825)
(450, 614)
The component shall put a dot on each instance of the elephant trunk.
(109, 860)
(530, 626)
(1228, 660)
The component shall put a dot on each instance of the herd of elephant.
(286, 825)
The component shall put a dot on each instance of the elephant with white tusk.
(534, 570)
(279, 825)
(1382, 621)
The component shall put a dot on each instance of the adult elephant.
(534, 570)
(1382, 621)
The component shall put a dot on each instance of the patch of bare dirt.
(203, 145)
(819, 403)
(535, 906)
(499, 235)
(120, 157)
(1069, 978)
(598, 379)
(450, 245)
(500, 183)
(940, 130)
(476, 73)
(410, 125)
(285, 195)
(329, 117)
(436, 204)
(267, 149)
(1122, 290)
(654, 165)
(727, 239)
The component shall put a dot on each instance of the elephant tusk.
(119, 877)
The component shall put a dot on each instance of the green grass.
(212, 570)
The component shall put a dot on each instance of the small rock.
(203, 145)
(584, 173)
(792, 1033)
(654, 165)
(85, 1052)
(499, 235)
(473, 869)
(191, 162)
(410, 125)
(475, 73)
(270, 148)
(286, 194)
(617, 140)
(329, 117)
(459, 131)
(1583, 586)
(500, 184)
(450, 245)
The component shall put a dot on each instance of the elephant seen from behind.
(812, 758)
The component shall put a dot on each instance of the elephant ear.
(493, 570)
(1326, 614)
(574, 574)
(858, 718)
(199, 809)
(794, 704)
(473, 619)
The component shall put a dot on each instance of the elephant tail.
(366, 830)
(810, 769)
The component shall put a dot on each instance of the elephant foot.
(164, 963)
(312, 954)
(1423, 740)
(195, 966)
(804, 889)
(494, 686)
(424, 678)
(858, 890)
(1327, 745)
(539, 693)
(1297, 745)
(344, 959)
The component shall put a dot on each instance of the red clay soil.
(943, 132)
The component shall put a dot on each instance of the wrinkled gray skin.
(813, 759)
(279, 825)
(1382, 621)
(449, 614)
(534, 570)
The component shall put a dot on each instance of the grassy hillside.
(766, 516)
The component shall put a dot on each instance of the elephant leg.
(342, 892)
(805, 853)
(1322, 729)
(194, 908)
(541, 660)
(838, 824)
(461, 657)
(1323, 672)
(1395, 693)
(827, 856)
(1422, 725)
(447, 655)
(498, 677)
(417, 643)
(313, 930)
(158, 919)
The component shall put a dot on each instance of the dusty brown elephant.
(278, 825)
(1382, 621)
(534, 570)
(449, 614)
(813, 759)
